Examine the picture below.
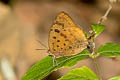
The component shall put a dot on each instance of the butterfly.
(65, 37)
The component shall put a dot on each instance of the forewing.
(64, 19)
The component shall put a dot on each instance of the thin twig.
(103, 18)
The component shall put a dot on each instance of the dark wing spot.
(57, 45)
(70, 47)
(64, 44)
(63, 35)
(61, 48)
(58, 40)
(54, 49)
(56, 30)
(58, 23)
(54, 37)
(51, 29)
(67, 40)
(64, 30)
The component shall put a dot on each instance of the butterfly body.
(66, 38)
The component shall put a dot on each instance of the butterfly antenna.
(42, 45)
(41, 49)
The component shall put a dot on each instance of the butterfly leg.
(53, 58)
(61, 54)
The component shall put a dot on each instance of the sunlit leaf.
(97, 28)
(46, 65)
(115, 78)
(109, 49)
(83, 73)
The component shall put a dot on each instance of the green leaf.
(115, 78)
(97, 28)
(87, 35)
(109, 49)
(46, 65)
(83, 73)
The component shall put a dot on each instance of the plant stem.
(92, 38)
(97, 69)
